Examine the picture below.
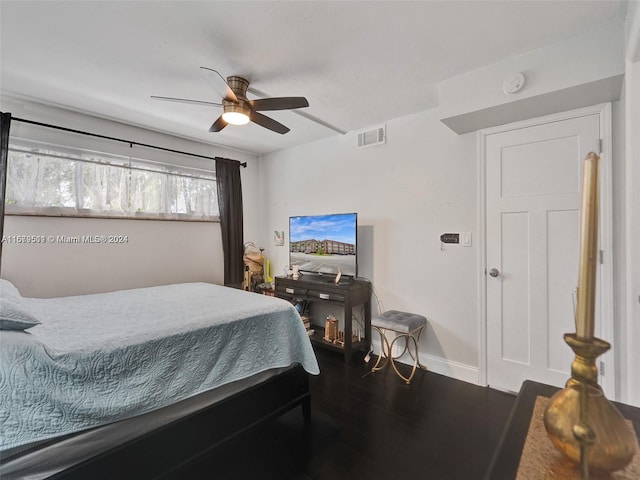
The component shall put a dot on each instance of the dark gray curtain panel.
(230, 205)
(5, 123)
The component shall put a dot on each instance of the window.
(46, 179)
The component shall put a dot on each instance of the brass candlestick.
(579, 420)
(588, 429)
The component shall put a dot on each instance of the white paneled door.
(533, 184)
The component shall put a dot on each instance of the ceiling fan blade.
(278, 103)
(186, 100)
(267, 122)
(218, 125)
(220, 85)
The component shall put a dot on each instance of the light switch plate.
(465, 239)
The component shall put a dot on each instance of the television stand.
(347, 293)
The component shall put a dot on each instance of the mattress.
(97, 359)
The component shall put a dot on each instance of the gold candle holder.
(579, 420)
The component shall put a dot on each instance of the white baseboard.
(442, 366)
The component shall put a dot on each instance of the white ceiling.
(358, 63)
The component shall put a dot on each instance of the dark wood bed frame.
(172, 446)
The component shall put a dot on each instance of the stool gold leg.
(393, 363)
(385, 351)
(417, 362)
(417, 342)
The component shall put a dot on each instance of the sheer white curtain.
(45, 179)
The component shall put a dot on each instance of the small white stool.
(405, 325)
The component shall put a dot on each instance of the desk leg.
(367, 324)
(348, 319)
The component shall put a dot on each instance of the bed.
(142, 379)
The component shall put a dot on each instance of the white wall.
(421, 184)
(157, 252)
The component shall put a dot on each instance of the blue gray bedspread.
(100, 358)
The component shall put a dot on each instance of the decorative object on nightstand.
(330, 329)
(406, 326)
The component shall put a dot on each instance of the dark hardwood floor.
(370, 427)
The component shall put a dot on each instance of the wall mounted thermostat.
(450, 238)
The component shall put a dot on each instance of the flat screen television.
(324, 244)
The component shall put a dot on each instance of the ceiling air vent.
(372, 137)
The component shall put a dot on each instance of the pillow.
(14, 316)
(8, 290)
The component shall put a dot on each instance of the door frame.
(606, 218)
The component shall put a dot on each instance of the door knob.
(494, 272)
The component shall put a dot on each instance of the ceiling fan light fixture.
(235, 118)
(236, 113)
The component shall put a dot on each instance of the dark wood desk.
(346, 294)
(506, 458)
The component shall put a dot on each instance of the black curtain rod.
(64, 129)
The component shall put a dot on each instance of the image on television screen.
(324, 243)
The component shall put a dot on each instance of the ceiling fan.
(237, 108)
